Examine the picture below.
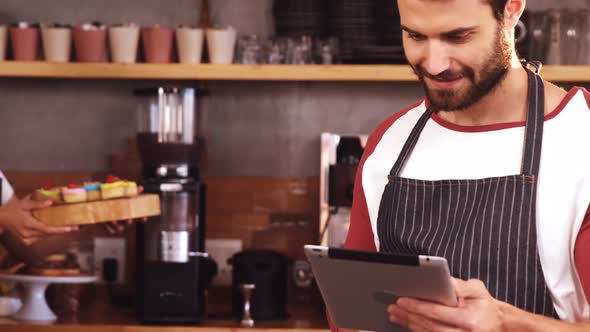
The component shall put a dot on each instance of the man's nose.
(437, 58)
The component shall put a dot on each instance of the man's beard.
(493, 72)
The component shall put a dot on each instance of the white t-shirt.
(492, 151)
(7, 191)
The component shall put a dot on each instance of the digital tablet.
(358, 286)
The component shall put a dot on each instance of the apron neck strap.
(534, 125)
(410, 143)
(533, 130)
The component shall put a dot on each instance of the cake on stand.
(35, 306)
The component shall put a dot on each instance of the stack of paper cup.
(221, 43)
(3, 40)
(57, 42)
(157, 44)
(90, 42)
(190, 44)
(25, 41)
(124, 39)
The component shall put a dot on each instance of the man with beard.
(486, 173)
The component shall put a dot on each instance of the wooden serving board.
(145, 205)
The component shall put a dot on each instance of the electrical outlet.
(109, 248)
(221, 250)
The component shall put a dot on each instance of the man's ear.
(512, 12)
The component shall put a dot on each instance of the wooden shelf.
(178, 71)
(343, 73)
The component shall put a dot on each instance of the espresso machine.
(173, 268)
(339, 161)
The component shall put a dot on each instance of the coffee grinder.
(173, 269)
(339, 160)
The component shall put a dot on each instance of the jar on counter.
(66, 299)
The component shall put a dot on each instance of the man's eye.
(457, 38)
(416, 36)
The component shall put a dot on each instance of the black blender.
(173, 268)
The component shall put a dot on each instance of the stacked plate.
(389, 23)
(354, 23)
(379, 55)
(294, 18)
(389, 48)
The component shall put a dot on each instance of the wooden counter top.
(302, 319)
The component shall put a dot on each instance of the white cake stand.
(35, 306)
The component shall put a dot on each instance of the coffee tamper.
(247, 290)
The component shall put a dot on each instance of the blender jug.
(168, 128)
(169, 114)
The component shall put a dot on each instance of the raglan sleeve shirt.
(360, 235)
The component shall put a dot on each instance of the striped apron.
(485, 228)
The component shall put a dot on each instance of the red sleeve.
(582, 254)
(582, 247)
(360, 233)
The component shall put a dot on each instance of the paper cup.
(190, 44)
(90, 43)
(157, 44)
(3, 41)
(25, 41)
(221, 43)
(123, 41)
(57, 43)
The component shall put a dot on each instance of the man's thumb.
(470, 288)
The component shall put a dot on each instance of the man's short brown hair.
(498, 7)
